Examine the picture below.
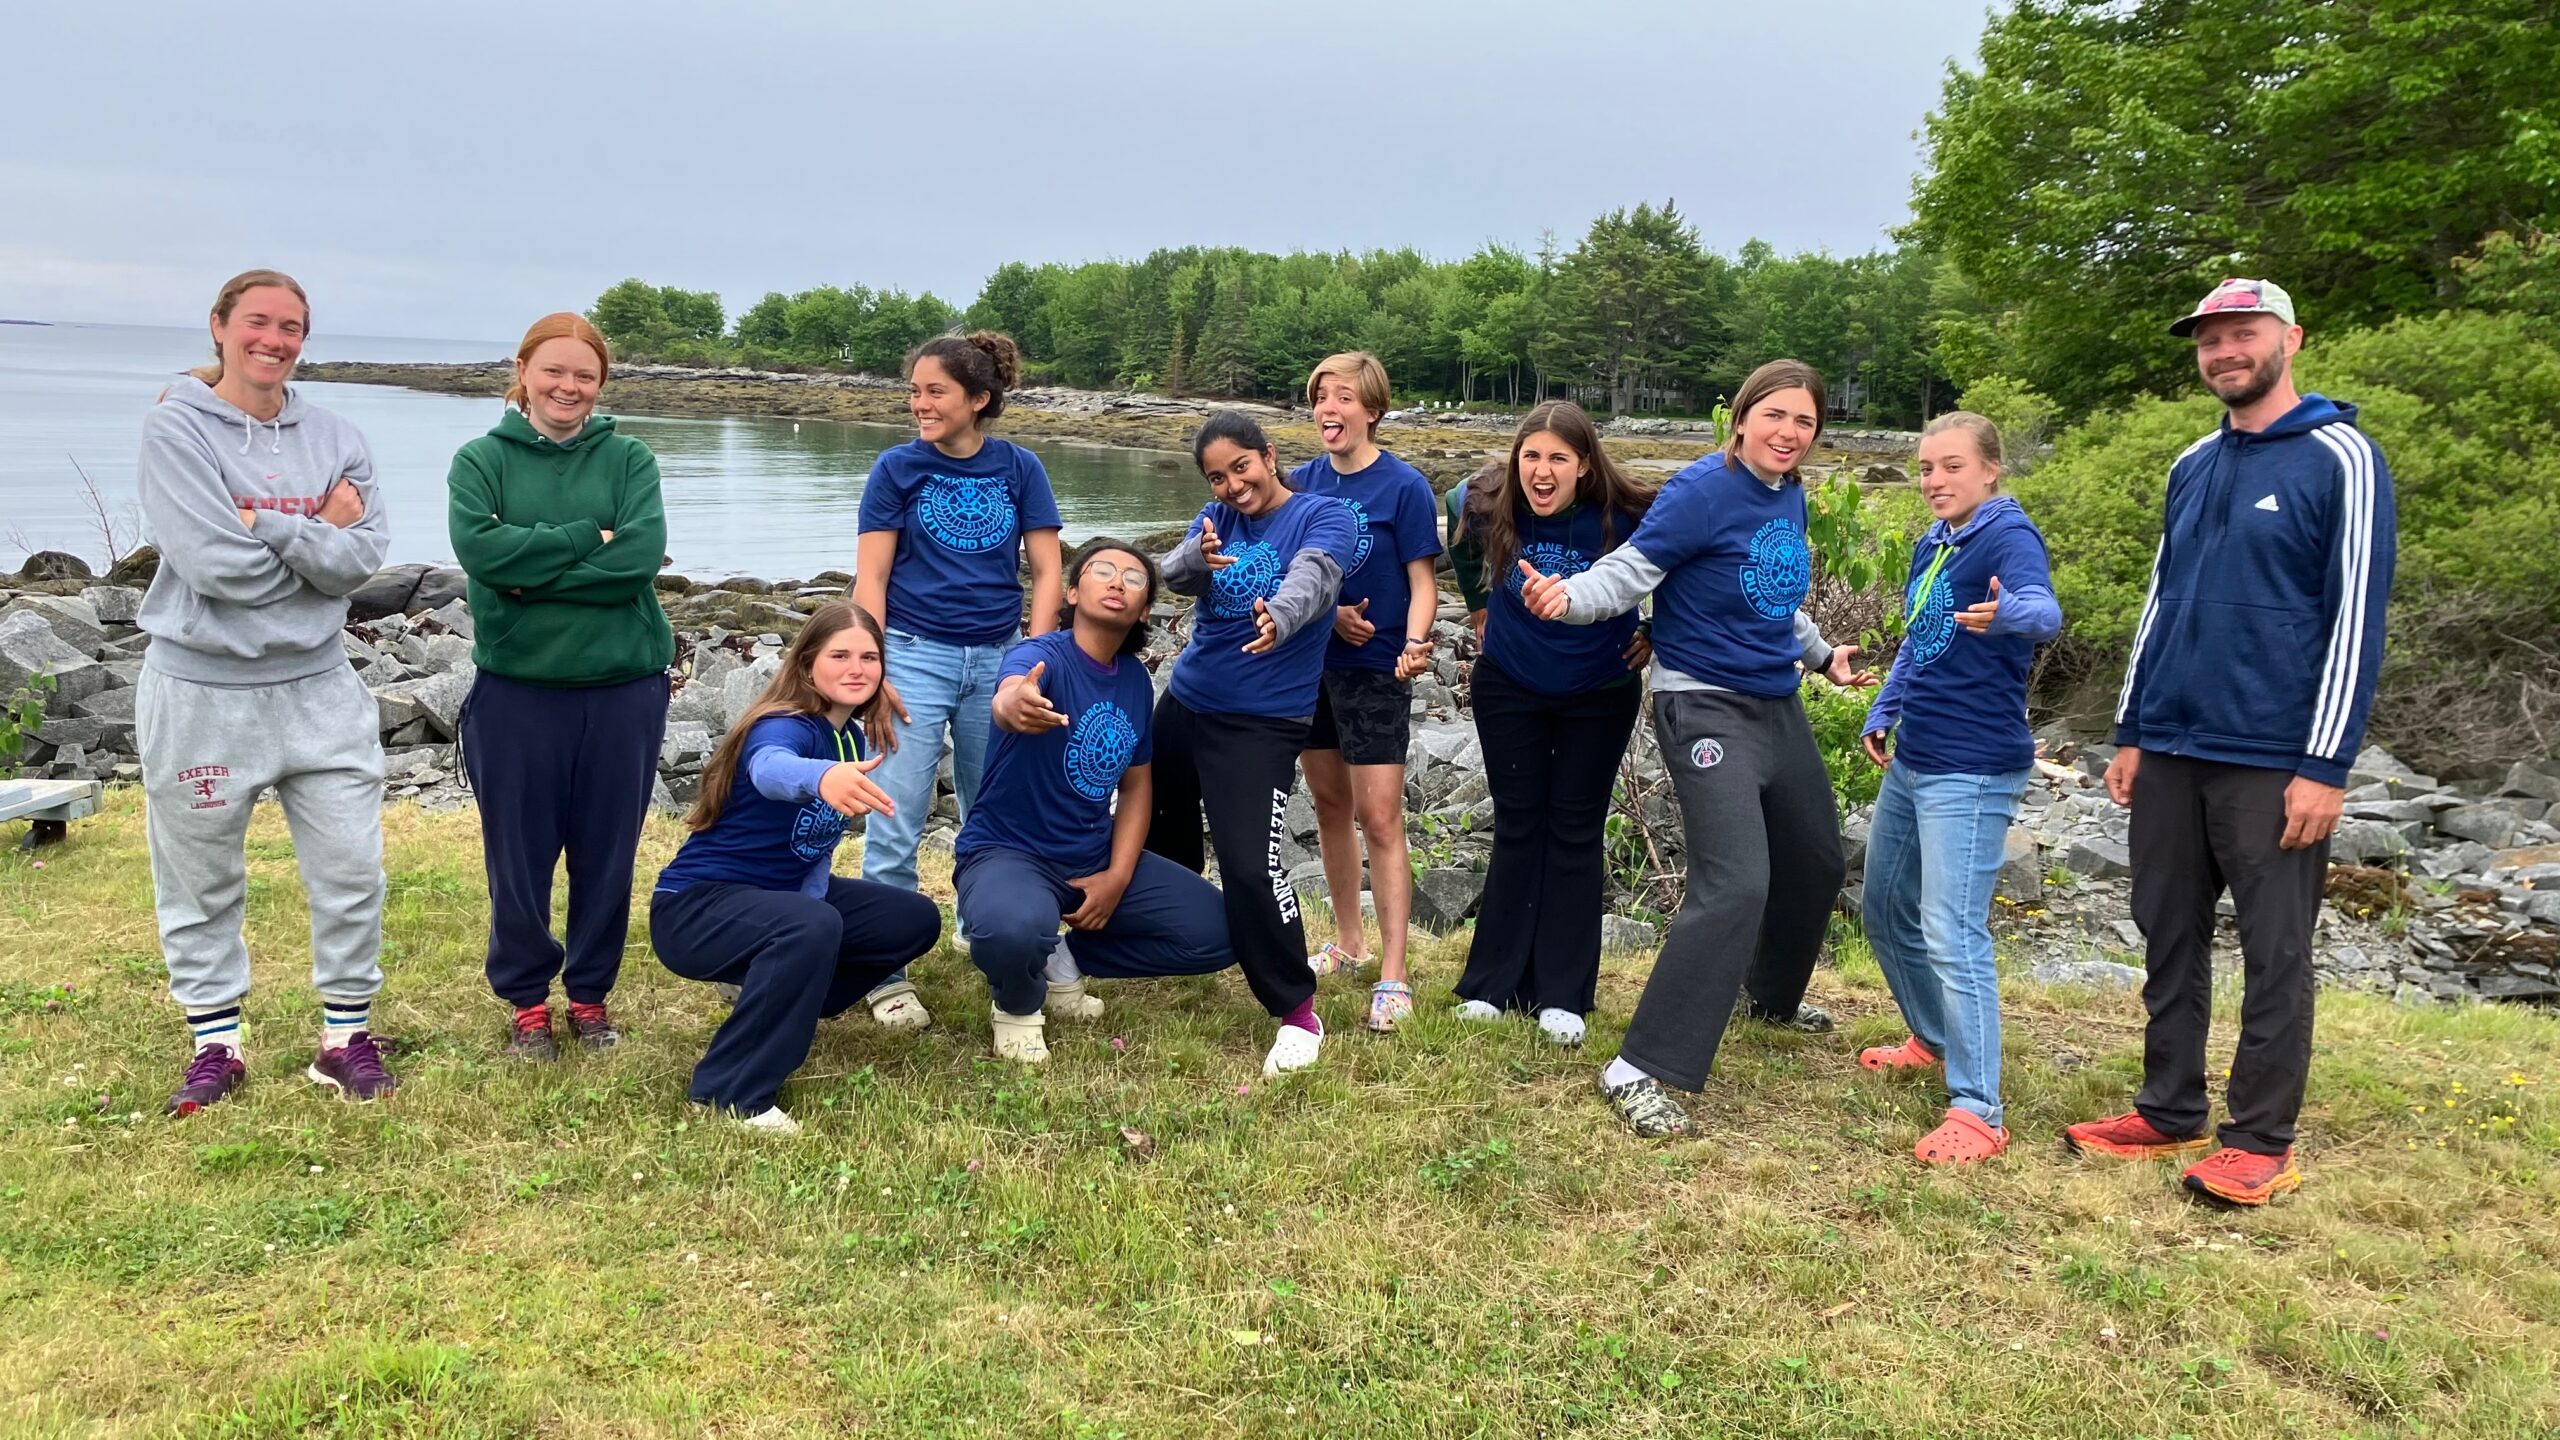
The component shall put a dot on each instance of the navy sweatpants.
(1169, 922)
(559, 768)
(795, 960)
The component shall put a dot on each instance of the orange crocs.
(1963, 1138)
(1909, 1055)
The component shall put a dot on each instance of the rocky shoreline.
(2441, 888)
(1446, 445)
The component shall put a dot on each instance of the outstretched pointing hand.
(1023, 708)
(1210, 550)
(1270, 628)
(1543, 595)
(848, 790)
(1978, 618)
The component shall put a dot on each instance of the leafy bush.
(2025, 417)
(1839, 719)
(20, 714)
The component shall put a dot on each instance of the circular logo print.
(1779, 571)
(1368, 537)
(1254, 576)
(966, 513)
(1707, 754)
(1547, 558)
(1098, 749)
(815, 830)
(1933, 620)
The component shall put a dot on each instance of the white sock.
(1477, 1010)
(1061, 969)
(219, 1026)
(1621, 1071)
(1560, 1025)
(342, 1020)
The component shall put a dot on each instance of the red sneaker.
(2243, 1177)
(2129, 1137)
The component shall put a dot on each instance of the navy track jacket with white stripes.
(2261, 636)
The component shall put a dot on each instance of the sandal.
(1909, 1055)
(1334, 960)
(897, 1006)
(1963, 1138)
(1390, 1004)
(1021, 1037)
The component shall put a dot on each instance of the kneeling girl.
(752, 899)
(1074, 730)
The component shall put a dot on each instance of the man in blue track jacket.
(2244, 704)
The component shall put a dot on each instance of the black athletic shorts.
(1365, 714)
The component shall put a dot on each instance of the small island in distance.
(46, 323)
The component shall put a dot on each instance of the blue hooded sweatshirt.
(2261, 637)
(1960, 699)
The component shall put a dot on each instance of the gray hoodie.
(251, 605)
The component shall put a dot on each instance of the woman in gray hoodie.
(266, 516)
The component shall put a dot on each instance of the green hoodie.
(552, 602)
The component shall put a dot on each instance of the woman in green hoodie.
(556, 520)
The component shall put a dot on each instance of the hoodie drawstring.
(249, 433)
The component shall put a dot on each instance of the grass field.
(1436, 1234)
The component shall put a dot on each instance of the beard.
(2255, 383)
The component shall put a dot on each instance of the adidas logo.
(2269, 505)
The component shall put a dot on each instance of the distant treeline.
(1638, 316)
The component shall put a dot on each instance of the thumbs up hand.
(1978, 618)
(1022, 708)
(1351, 624)
(1542, 595)
(1262, 644)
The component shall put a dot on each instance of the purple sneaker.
(354, 1070)
(215, 1072)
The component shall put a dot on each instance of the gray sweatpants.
(1765, 866)
(207, 753)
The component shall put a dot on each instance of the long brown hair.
(789, 692)
(564, 324)
(1494, 496)
(223, 303)
(1764, 382)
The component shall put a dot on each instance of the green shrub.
(2025, 417)
(1839, 719)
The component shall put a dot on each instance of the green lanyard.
(1930, 577)
(841, 757)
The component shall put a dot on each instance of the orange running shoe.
(2129, 1137)
(1909, 1055)
(2243, 1177)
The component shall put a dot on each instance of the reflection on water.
(772, 498)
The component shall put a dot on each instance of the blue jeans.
(1933, 856)
(945, 687)
(1169, 922)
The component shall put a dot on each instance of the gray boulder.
(1622, 933)
(28, 647)
(396, 705)
(2366, 841)
(441, 697)
(2375, 765)
(1444, 898)
(739, 689)
(687, 742)
(2489, 824)
(106, 705)
(72, 621)
(113, 604)
(2099, 859)
(2021, 867)
(2531, 782)
(455, 616)
(2095, 974)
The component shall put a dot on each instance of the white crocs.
(1561, 1027)
(1293, 1049)
(1072, 1001)
(769, 1121)
(1021, 1038)
(1476, 1010)
(897, 1006)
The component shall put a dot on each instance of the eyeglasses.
(1109, 569)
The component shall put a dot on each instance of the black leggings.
(1239, 769)
(1550, 761)
(1762, 834)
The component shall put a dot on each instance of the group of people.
(1091, 802)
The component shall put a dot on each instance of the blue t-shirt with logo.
(1049, 795)
(1551, 657)
(1399, 520)
(767, 842)
(1213, 675)
(960, 523)
(1735, 571)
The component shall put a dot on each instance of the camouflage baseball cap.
(2238, 297)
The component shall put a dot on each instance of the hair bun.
(1000, 349)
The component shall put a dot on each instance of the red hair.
(565, 324)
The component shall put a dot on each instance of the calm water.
(772, 498)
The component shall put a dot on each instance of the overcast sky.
(455, 169)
